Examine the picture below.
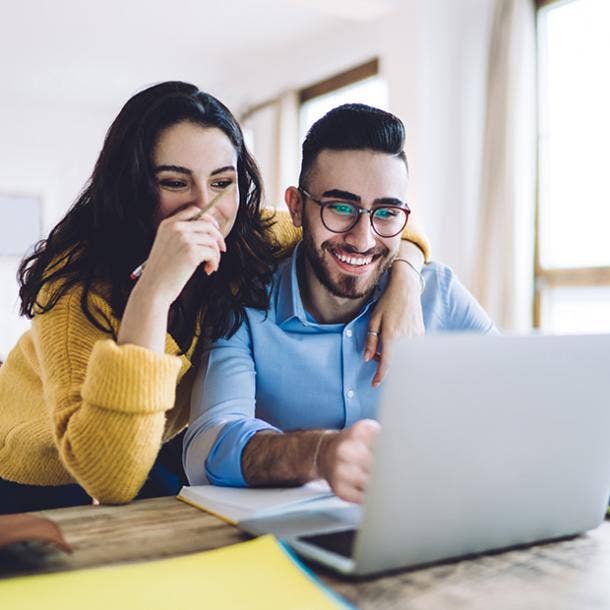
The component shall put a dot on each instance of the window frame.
(556, 277)
(338, 81)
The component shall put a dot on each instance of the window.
(573, 247)
(361, 84)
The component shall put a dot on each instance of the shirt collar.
(289, 303)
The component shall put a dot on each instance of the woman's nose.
(199, 196)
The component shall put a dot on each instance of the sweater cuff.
(130, 378)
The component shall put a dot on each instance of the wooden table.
(571, 574)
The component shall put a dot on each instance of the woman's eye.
(222, 184)
(173, 184)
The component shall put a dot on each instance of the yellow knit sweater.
(77, 407)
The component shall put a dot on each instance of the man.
(288, 398)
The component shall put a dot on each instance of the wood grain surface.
(572, 574)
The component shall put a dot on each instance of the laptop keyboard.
(341, 543)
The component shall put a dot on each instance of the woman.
(102, 380)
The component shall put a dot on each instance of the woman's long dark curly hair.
(110, 228)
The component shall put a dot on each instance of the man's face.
(350, 264)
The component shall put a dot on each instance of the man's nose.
(361, 235)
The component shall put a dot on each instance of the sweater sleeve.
(106, 402)
(287, 235)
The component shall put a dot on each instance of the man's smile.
(355, 263)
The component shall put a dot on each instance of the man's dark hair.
(353, 127)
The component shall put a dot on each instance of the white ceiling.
(74, 52)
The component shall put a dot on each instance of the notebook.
(235, 504)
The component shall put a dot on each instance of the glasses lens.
(389, 221)
(339, 215)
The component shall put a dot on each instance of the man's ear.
(294, 201)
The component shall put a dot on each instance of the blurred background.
(505, 102)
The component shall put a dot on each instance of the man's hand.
(345, 458)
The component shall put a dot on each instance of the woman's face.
(192, 164)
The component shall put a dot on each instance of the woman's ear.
(294, 201)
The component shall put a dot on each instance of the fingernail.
(367, 356)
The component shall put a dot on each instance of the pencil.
(137, 272)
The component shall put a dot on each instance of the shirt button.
(350, 393)
(348, 332)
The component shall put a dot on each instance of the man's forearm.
(287, 459)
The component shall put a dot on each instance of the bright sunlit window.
(573, 266)
(363, 85)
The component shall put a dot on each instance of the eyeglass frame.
(404, 206)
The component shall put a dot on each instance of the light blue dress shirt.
(283, 371)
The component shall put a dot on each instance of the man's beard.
(345, 286)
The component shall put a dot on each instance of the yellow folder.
(252, 575)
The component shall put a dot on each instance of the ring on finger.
(373, 332)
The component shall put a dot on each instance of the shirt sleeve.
(223, 406)
(458, 310)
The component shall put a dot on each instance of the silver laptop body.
(486, 443)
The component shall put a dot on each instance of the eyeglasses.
(340, 216)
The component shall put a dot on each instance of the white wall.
(49, 152)
(437, 73)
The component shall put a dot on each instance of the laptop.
(486, 443)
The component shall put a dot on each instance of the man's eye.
(386, 213)
(173, 184)
(341, 209)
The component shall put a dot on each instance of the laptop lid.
(487, 442)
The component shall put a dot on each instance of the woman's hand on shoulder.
(398, 314)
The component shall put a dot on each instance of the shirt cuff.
(223, 464)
